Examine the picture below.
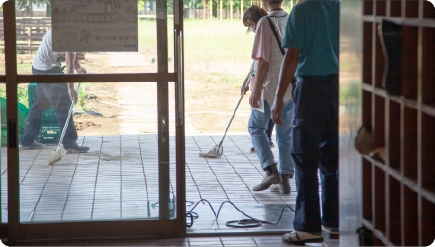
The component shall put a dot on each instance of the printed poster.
(94, 25)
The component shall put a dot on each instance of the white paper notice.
(94, 25)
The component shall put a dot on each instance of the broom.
(218, 150)
(60, 151)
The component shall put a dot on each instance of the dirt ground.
(209, 100)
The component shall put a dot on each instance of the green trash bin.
(50, 128)
(22, 116)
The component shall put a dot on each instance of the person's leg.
(58, 95)
(329, 164)
(308, 127)
(257, 126)
(269, 131)
(34, 117)
(283, 139)
(307, 211)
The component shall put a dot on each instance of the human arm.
(70, 60)
(79, 69)
(261, 52)
(262, 68)
(245, 87)
(288, 68)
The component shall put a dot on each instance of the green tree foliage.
(27, 5)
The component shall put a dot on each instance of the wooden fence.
(30, 31)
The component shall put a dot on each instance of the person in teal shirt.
(312, 42)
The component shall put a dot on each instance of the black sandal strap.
(297, 236)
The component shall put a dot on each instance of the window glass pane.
(117, 179)
(4, 164)
(34, 21)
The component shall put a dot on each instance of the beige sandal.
(298, 237)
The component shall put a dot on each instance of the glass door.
(130, 114)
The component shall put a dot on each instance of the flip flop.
(298, 237)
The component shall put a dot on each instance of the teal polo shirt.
(313, 27)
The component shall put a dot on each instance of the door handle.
(179, 86)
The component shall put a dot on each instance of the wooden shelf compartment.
(398, 99)
(393, 135)
(428, 71)
(399, 196)
(409, 62)
(411, 184)
(379, 123)
(367, 190)
(367, 56)
(428, 153)
(395, 8)
(428, 222)
(411, 9)
(368, 7)
(410, 209)
(379, 61)
(394, 211)
(367, 109)
(381, 7)
(379, 199)
(377, 234)
(409, 144)
(400, 21)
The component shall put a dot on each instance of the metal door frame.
(15, 231)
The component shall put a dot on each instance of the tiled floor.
(248, 241)
(118, 179)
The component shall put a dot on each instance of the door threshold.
(235, 232)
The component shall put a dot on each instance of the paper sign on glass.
(94, 25)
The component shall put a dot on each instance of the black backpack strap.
(276, 35)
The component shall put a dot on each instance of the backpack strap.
(276, 35)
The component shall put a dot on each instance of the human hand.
(81, 70)
(276, 111)
(254, 99)
(244, 89)
(73, 94)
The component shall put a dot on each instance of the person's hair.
(253, 13)
(274, 1)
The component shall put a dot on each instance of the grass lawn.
(219, 50)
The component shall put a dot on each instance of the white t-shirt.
(45, 58)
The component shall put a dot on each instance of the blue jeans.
(257, 126)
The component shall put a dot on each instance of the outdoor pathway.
(142, 98)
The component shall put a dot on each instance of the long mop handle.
(67, 119)
(228, 126)
(234, 113)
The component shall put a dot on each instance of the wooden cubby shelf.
(413, 22)
(379, 235)
(399, 192)
(411, 184)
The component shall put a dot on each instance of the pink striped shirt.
(266, 47)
